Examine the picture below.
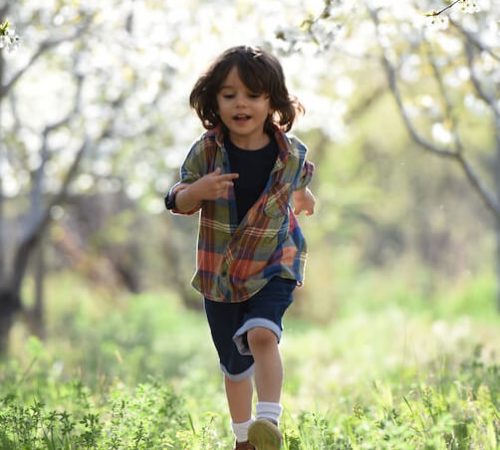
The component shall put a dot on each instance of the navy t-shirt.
(254, 168)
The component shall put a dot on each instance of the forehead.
(233, 80)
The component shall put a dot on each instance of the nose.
(240, 100)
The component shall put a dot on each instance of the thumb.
(217, 171)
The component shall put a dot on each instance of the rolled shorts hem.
(250, 324)
(239, 376)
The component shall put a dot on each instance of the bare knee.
(261, 338)
(237, 384)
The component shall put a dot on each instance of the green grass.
(140, 373)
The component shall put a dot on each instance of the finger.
(228, 176)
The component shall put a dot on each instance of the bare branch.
(394, 88)
(44, 47)
(365, 104)
(488, 99)
(473, 39)
(434, 13)
(37, 189)
(38, 227)
(448, 108)
(488, 199)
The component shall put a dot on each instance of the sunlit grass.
(140, 372)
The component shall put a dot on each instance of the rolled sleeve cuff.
(175, 189)
(305, 176)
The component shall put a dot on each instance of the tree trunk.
(497, 234)
(10, 299)
(2, 159)
(37, 323)
(10, 305)
(10, 295)
(496, 178)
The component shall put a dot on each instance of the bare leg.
(268, 368)
(239, 399)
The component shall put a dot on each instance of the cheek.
(266, 110)
(221, 108)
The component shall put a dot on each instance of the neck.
(250, 143)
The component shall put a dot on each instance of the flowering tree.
(95, 100)
(95, 97)
(454, 49)
(78, 107)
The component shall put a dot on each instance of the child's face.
(243, 112)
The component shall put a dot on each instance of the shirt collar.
(279, 136)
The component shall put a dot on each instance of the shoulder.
(204, 143)
(296, 147)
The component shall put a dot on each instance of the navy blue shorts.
(230, 322)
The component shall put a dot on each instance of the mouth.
(241, 117)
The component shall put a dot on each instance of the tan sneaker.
(265, 435)
(244, 446)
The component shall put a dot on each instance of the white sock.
(240, 430)
(269, 410)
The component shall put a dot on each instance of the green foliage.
(459, 414)
(140, 373)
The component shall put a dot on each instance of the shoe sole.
(264, 435)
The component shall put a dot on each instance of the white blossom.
(8, 37)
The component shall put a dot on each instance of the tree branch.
(488, 99)
(434, 13)
(44, 46)
(449, 116)
(394, 88)
(38, 227)
(473, 39)
(38, 176)
(488, 199)
(365, 104)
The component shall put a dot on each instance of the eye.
(228, 96)
(253, 95)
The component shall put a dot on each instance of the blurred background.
(402, 121)
(402, 282)
(95, 123)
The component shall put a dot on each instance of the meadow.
(139, 372)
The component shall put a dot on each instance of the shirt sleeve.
(306, 168)
(192, 169)
(305, 176)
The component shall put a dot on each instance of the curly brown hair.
(261, 72)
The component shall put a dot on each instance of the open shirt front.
(235, 260)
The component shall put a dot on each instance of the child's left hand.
(303, 200)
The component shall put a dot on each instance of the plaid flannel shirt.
(235, 261)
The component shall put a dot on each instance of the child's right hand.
(213, 185)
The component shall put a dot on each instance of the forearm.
(214, 185)
(187, 198)
(303, 200)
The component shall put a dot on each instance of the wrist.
(186, 199)
(193, 192)
(300, 193)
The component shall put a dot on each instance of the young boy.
(242, 174)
